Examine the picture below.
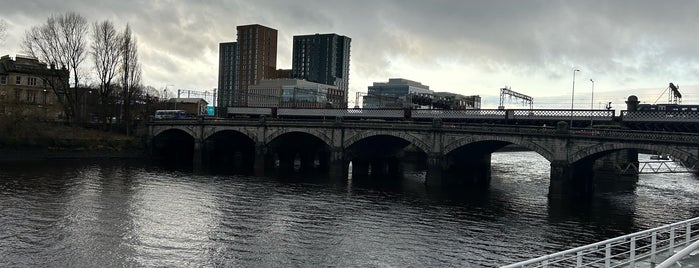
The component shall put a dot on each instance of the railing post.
(672, 239)
(687, 234)
(653, 247)
(632, 253)
(579, 259)
(608, 255)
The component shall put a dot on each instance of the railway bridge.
(582, 160)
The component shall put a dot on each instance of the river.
(128, 213)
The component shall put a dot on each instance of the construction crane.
(506, 91)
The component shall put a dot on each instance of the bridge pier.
(360, 168)
(570, 180)
(607, 172)
(197, 156)
(263, 161)
(435, 170)
(336, 164)
(472, 171)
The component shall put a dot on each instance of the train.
(684, 118)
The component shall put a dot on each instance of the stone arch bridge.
(582, 160)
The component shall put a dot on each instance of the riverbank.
(33, 154)
(28, 141)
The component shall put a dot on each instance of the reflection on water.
(120, 213)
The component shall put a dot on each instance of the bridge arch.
(190, 130)
(420, 144)
(298, 151)
(675, 152)
(327, 139)
(214, 131)
(451, 147)
(173, 146)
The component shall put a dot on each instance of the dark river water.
(116, 213)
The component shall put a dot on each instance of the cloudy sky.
(467, 47)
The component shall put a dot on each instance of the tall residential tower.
(256, 59)
(323, 58)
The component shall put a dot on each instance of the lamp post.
(572, 98)
(592, 101)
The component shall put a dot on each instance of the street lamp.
(592, 101)
(572, 98)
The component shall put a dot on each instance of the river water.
(125, 213)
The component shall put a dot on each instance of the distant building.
(323, 58)
(30, 88)
(256, 59)
(393, 94)
(293, 93)
(227, 54)
(458, 101)
(192, 106)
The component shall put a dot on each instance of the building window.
(3, 80)
(32, 81)
(18, 80)
(31, 97)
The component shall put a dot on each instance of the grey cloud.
(628, 40)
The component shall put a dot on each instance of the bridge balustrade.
(458, 114)
(660, 116)
(548, 114)
(639, 135)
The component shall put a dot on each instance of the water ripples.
(129, 214)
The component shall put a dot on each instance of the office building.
(322, 58)
(294, 93)
(455, 101)
(227, 53)
(393, 94)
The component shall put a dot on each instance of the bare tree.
(106, 53)
(131, 74)
(60, 41)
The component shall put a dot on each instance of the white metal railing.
(649, 246)
(669, 262)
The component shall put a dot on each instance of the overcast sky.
(466, 47)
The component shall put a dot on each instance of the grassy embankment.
(26, 134)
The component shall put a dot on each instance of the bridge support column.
(360, 168)
(286, 162)
(197, 155)
(262, 161)
(607, 171)
(379, 167)
(306, 161)
(475, 171)
(435, 170)
(337, 167)
(568, 180)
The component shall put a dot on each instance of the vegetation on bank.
(23, 133)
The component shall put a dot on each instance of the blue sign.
(210, 110)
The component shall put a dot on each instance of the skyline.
(469, 48)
